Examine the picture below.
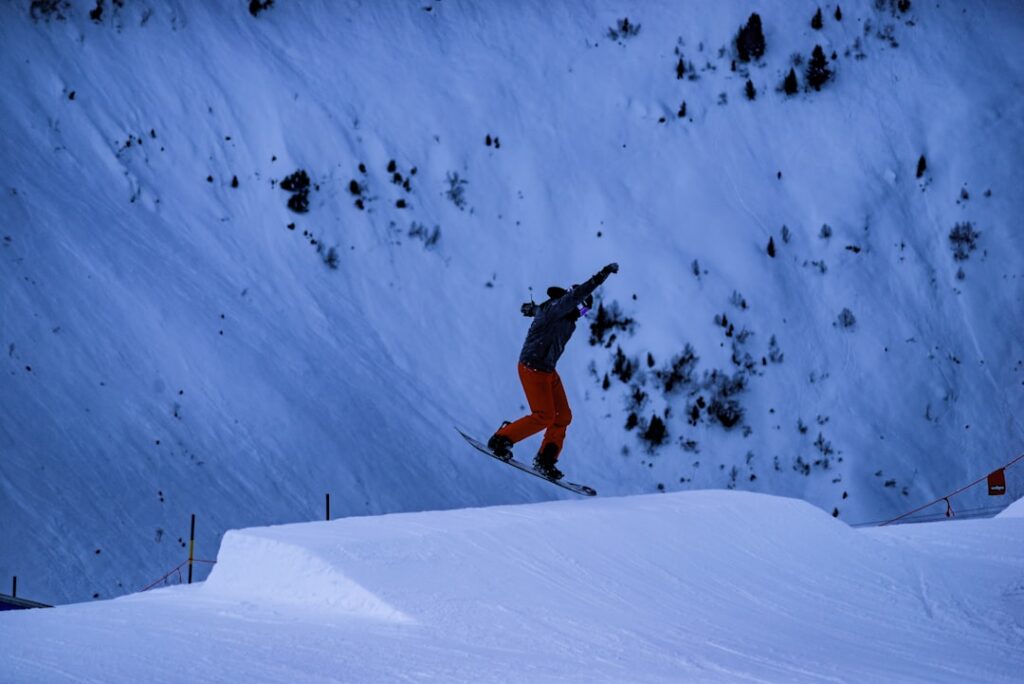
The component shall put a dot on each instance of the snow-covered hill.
(177, 340)
(695, 587)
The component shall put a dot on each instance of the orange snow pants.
(548, 405)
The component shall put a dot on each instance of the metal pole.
(14, 587)
(328, 505)
(191, 547)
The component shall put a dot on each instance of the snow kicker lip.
(256, 568)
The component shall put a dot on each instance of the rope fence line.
(949, 506)
(176, 569)
(191, 554)
(962, 514)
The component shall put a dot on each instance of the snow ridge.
(689, 586)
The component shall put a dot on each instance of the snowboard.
(571, 486)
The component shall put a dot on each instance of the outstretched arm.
(574, 297)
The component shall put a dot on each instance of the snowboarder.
(554, 322)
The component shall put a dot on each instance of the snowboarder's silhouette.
(554, 322)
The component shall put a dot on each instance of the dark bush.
(623, 29)
(750, 39)
(728, 412)
(297, 182)
(622, 366)
(256, 6)
(47, 9)
(609, 318)
(818, 72)
(299, 202)
(963, 239)
(456, 191)
(679, 372)
(656, 433)
(429, 237)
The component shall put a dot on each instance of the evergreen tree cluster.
(750, 39)
(298, 185)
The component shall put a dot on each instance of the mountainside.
(694, 586)
(189, 327)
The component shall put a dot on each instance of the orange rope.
(177, 569)
(949, 508)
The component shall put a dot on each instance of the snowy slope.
(698, 586)
(171, 346)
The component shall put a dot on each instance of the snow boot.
(500, 445)
(544, 462)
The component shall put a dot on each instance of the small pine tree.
(680, 69)
(257, 6)
(921, 166)
(655, 434)
(771, 247)
(839, 13)
(682, 110)
(790, 85)
(750, 39)
(750, 91)
(816, 20)
(818, 72)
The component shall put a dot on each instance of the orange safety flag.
(997, 483)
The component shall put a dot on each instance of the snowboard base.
(571, 486)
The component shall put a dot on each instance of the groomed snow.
(702, 587)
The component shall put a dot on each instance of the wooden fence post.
(328, 505)
(191, 547)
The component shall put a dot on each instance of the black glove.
(609, 269)
(528, 309)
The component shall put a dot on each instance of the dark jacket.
(554, 322)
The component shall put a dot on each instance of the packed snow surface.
(696, 587)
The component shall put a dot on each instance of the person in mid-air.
(554, 322)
